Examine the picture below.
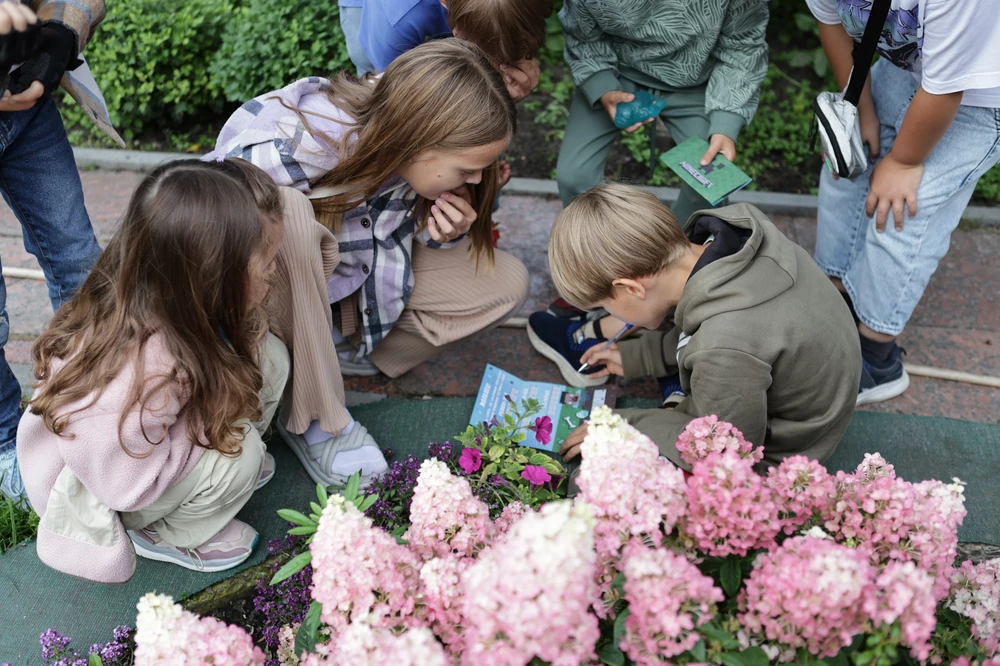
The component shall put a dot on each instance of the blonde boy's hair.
(611, 231)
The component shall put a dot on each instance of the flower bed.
(643, 566)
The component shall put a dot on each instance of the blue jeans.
(40, 183)
(350, 24)
(886, 273)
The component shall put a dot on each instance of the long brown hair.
(507, 30)
(443, 94)
(177, 266)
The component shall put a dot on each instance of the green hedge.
(151, 59)
(270, 43)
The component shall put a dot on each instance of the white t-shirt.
(949, 45)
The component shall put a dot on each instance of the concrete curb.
(770, 202)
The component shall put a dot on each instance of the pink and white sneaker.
(227, 549)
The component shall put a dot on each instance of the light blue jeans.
(350, 23)
(886, 273)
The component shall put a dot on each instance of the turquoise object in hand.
(643, 107)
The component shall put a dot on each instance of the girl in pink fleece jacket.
(139, 437)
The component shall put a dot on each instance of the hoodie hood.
(766, 266)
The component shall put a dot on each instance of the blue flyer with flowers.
(561, 408)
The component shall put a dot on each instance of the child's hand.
(451, 216)
(720, 143)
(610, 101)
(521, 79)
(571, 445)
(610, 358)
(893, 187)
(504, 174)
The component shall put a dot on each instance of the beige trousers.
(450, 300)
(193, 510)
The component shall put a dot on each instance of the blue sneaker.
(883, 381)
(563, 341)
(673, 392)
(11, 484)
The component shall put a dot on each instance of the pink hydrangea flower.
(511, 513)
(630, 489)
(522, 602)
(445, 517)
(360, 573)
(669, 598)
(975, 594)
(543, 430)
(360, 644)
(730, 510)
(166, 634)
(536, 475)
(802, 488)
(905, 593)
(470, 460)
(441, 594)
(708, 435)
(808, 594)
(894, 520)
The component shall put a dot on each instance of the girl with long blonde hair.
(139, 436)
(389, 184)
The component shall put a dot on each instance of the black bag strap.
(865, 51)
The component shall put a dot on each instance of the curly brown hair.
(178, 266)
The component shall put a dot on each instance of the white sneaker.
(333, 462)
(11, 484)
(354, 363)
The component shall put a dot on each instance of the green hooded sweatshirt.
(672, 45)
(763, 340)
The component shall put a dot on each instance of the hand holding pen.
(607, 355)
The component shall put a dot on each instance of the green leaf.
(293, 516)
(316, 508)
(322, 495)
(618, 584)
(302, 530)
(731, 576)
(805, 22)
(94, 660)
(752, 656)
(699, 651)
(305, 637)
(820, 63)
(521, 458)
(620, 626)
(715, 632)
(351, 492)
(367, 503)
(801, 58)
(518, 437)
(611, 655)
(292, 567)
(490, 470)
(496, 452)
(510, 420)
(538, 459)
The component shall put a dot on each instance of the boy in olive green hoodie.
(762, 338)
(707, 58)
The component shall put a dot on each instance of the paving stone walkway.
(957, 326)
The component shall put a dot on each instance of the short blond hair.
(608, 232)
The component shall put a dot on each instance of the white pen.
(607, 345)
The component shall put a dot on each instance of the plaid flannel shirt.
(375, 239)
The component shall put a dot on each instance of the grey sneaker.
(11, 484)
(267, 473)
(227, 549)
(354, 363)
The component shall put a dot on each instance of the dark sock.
(876, 351)
(850, 305)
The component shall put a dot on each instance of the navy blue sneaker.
(565, 310)
(883, 381)
(563, 342)
(673, 392)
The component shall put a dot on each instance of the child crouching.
(139, 436)
(761, 337)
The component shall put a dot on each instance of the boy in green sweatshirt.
(707, 58)
(762, 338)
